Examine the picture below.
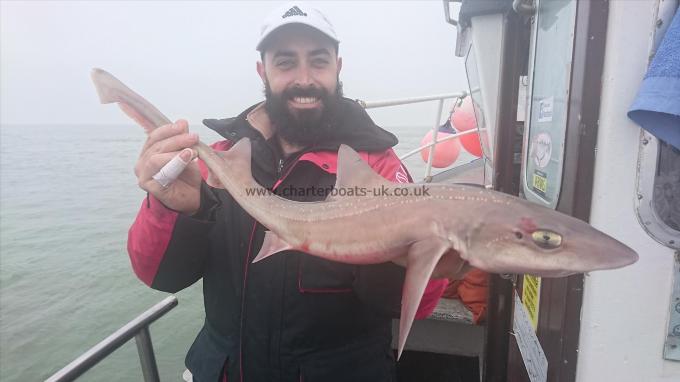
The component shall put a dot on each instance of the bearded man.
(293, 317)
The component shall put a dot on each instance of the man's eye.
(284, 64)
(319, 62)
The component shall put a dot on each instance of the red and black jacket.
(293, 317)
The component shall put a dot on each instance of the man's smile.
(304, 102)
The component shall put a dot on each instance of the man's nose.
(304, 76)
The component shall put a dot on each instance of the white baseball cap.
(296, 12)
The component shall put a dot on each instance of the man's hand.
(162, 145)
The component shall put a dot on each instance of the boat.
(552, 83)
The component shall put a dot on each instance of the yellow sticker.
(531, 293)
(540, 183)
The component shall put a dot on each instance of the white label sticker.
(531, 350)
(541, 149)
(545, 109)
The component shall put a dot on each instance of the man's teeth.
(305, 99)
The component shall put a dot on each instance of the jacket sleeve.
(167, 249)
(390, 167)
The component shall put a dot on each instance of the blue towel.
(657, 106)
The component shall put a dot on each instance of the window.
(549, 101)
(658, 188)
(666, 196)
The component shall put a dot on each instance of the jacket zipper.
(280, 178)
(279, 169)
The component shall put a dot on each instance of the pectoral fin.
(423, 256)
(272, 244)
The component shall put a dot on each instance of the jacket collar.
(355, 128)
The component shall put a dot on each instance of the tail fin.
(110, 90)
(137, 117)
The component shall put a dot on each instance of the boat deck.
(449, 330)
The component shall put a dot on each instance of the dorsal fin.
(239, 152)
(354, 172)
(237, 158)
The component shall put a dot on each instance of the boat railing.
(435, 128)
(137, 328)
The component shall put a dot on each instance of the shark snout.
(607, 253)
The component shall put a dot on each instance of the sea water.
(67, 198)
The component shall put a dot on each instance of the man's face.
(300, 73)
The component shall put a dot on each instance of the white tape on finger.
(170, 171)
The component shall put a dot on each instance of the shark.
(433, 230)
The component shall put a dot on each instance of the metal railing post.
(146, 356)
(435, 128)
(409, 100)
(138, 328)
(435, 131)
(448, 138)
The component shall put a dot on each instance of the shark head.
(530, 239)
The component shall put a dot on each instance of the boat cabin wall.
(625, 312)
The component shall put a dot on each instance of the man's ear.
(261, 72)
(339, 65)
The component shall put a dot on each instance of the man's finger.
(172, 169)
(173, 143)
(164, 132)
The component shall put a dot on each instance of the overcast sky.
(196, 60)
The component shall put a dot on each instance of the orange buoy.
(445, 153)
(463, 119)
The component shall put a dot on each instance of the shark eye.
(547, 239)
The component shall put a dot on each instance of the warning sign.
(531, 293)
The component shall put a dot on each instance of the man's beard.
(304, 127)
